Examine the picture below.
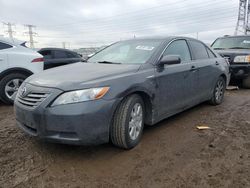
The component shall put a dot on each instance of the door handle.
(216, 63)
(193, 68)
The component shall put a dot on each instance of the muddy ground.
(171, 154)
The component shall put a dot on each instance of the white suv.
(17, 62)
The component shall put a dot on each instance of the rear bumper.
(239, 71)
(84, 123)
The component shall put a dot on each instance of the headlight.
(242, 59)
(80, 96)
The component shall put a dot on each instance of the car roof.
(162, 38)
(62, 49)
(11, 41)
(234, 36)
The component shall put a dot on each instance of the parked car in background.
(119, 89)
(17, 62)
(54, 57)
(236, 49)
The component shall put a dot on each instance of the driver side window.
(179, 47)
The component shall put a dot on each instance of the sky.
(90, 23)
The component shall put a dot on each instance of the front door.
(176, 82)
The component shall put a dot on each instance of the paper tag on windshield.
(149, 48)
(246, 41)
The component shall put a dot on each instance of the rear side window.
(210, 53)
(72, 55)
(60, 54)
(178, 47)
(4, 46)
(46, 54)
(199, 50)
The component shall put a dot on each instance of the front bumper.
(85, 123)
(240, 71)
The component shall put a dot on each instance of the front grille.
(32, 99)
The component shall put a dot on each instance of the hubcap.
(135, 123)
(219, 90)
(12, 87)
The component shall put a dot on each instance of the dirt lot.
(171, 154)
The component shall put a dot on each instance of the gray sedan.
(119, 90)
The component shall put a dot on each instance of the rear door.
(206, 66)
(3, 56)
(175, 81)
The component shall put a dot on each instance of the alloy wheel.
(135, 123)
(12, 87)
(219, 90)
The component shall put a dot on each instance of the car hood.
(80, 75)
(234, 51)
(231, 53)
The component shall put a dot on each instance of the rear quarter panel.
(19, 57)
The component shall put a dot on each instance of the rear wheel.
(9, 86)
(128, 122)
(246, 82)
(218, 93)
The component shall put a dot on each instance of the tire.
(122, 128)
(10, 80)
(246, 83)
(218, 93)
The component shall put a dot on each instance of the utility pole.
(10, 30)
(197, 35)
(64, 45)
(31, 34)
(242, 25)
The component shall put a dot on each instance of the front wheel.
(218, 93)
(246, 82)
(128, 122)
(9, 86)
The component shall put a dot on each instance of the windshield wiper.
(238, 48)
(218, 48)
(108, 62)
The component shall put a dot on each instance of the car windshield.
(232, 43)
(127, 52)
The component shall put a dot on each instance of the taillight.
(40, 59)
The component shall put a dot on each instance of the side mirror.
(170, 60)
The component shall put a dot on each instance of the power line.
(135, 24)
(180, 23)
(159, 13)
(166, 19)
(157, 8)
(175, 19)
